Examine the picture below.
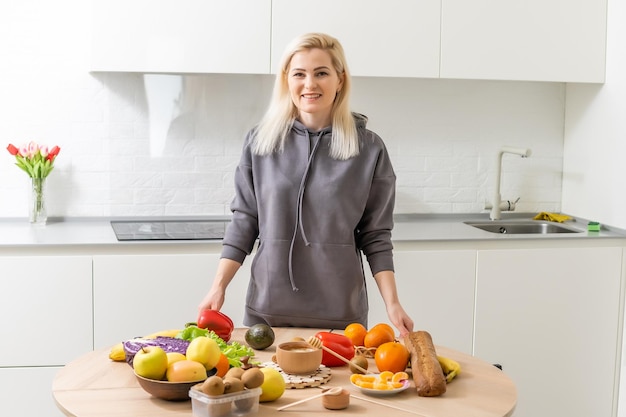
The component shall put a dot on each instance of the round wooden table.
(94, 386)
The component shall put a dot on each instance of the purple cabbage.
(169, 344)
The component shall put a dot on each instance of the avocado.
(259, 336)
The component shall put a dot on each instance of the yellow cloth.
(553, 217)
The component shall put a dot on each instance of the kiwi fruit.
(232, 385)
(234, 372)
(246, 404)
(252, 378)
(213, 385)
(359, 360)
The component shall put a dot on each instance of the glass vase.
(38, 214)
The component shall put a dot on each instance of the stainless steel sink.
(522, 227)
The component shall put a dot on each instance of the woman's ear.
(341, 77)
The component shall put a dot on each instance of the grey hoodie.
(313, 216)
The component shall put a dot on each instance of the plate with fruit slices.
(385, 383)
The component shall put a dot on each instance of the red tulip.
(53, 153)
(12, 149)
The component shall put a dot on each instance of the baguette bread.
(427, 373)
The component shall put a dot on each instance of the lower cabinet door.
(551, 318)
(135, 295)
(436, 288)
(45, 309)
(27, 392)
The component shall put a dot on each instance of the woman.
(317, 189)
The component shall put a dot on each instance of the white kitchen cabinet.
(27, 392)
(45, 317)
(45, 309)
(181, 36)
(395, 38)
(436, 288)
(551, 318)
(553, 40)
(535, 40)
(135, 295)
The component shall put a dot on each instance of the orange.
(376, 336)
(222, 366)
(356, 333)
(386, 327)
(392, 357)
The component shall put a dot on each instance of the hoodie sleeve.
(374, 232)
(243, 230)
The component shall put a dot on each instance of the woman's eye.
(322, 74)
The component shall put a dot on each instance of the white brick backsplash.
(127, 151)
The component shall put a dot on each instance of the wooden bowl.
(298, 358)
(165, 390)
(336, 402)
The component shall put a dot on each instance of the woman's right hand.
(213, 300)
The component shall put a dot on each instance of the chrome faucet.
(497, 199)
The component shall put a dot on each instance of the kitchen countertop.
(93, 385)
(408, 227)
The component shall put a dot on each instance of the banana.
(163, 333)
(450, 367)
(117, 353)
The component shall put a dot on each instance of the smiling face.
(313, 84)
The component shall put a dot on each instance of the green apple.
(204, 350)
(150, 362)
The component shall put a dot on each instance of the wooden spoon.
(317, 343)
(332, 391)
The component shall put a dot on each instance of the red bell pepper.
(220, 323)
(339, 344)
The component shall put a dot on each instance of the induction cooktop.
(169, 229)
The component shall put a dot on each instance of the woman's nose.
(309, 82)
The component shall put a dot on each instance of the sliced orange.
(399, 376)
(385, 376)
(355, 378)
(222, 365)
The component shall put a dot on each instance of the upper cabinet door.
(394, 38)
(535, 40)
(181, 36)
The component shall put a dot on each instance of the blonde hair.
(274, 127)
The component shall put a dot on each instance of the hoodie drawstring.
(299, 224)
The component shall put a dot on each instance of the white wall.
(167, 145)
(594, 174)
